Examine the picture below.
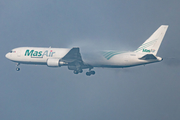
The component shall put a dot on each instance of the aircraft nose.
(7, 55)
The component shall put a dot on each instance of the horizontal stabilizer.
(148, 57)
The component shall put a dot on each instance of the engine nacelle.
(53, 62)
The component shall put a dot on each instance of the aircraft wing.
(74, 61)
(73, 56)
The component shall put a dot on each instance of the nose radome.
(7, 55)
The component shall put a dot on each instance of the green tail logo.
(146, 50)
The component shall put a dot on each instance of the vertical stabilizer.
(152, 44)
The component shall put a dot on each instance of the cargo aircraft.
(74, 60)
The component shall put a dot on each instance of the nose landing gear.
(17, 68)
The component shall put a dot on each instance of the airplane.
(74, 60)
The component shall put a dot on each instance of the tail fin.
(152, 44)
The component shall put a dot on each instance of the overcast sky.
(150, 92)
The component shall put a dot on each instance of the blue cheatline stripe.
(112, 53)
(112, 56)
(149, 43)
(145, 45)
(139, 49)
(105, 53)
(108, 55)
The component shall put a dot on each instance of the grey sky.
(139, 93)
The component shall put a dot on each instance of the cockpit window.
(12, 51)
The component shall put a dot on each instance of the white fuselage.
(77, 61)
(35, 55)
(40, 55)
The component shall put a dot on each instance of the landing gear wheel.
(17, 69)
(92, 72)
(75, 72)
(88, 73)
(80, 71)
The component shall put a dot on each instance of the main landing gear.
(90, 73)
(78, 71)
(87, 73)
(17, 68)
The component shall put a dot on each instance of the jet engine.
(55, 62)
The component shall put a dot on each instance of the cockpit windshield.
(12, 51)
